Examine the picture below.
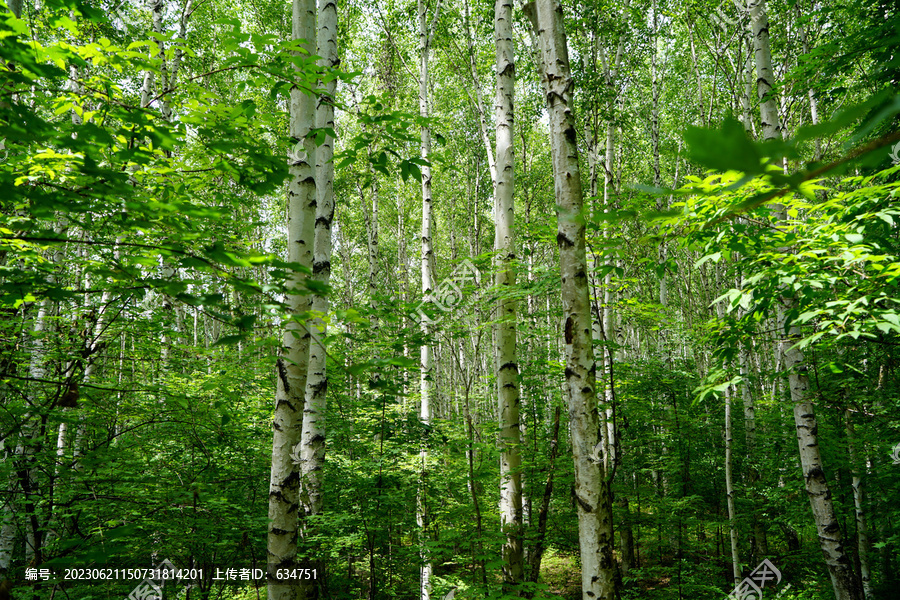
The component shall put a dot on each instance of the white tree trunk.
(506, 366)
(592, 492)
(312, 448)
(843, 579)
(759, 29)
(293, 364)
(427, 258)
(813, 101)
(147, 88)
(371, 219)
(729, 467)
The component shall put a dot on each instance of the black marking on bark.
(321, 266)
(832, 527)
(586, 390)
(816, 473)
(584, 505)
(570, 330)
(510, 365)
(569, 373)
(562, 241)
(292, 479)
(570, 135)
(317, 439)
(282, 374)
(280, 401)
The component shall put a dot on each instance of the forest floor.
(562, 575)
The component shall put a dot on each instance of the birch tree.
(426, 33)
(293, 362)
(592, 491)
(506, 367)
(312, 440)
(840, 569)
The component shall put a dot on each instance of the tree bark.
(759, 30)
(862, 529)
(729, 492)
(592, 491)
(293, 364)
(312, 449)
(831, 541)
(506, 366)
(427, 261)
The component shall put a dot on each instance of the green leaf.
(725, 149)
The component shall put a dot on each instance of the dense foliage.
(144, 286)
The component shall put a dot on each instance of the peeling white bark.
(759, 30)
(427, 262)
(312, 448)
(592, 492)
(293, 364)
(840, 569)
(506, 366)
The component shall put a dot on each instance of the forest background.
(553, 295)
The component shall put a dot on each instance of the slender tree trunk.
(537, 553)
(862, 529)
(592, 491)
(813, 101)
(7, 524)
(293, 364)
(147, 88)
(312, 449)
(831, 541)
(427, 258)
(15, 7)
(371, 218)
(506, 366)
(759, 30)
(654, 112)
(729, 491)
